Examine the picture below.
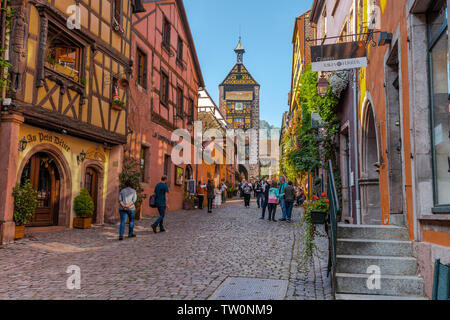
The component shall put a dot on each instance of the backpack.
(152, 201)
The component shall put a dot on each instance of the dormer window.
(63, 54)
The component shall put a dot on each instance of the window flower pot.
(319, 217)
(82, 223)
(19, 232)
(116, 106)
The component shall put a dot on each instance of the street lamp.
(81, 157)
(322, 86)
(23, 144)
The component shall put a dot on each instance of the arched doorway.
(91, 185)
(243, 172)
(42, 172)
(370, 179)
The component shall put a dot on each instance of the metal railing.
(332, 227)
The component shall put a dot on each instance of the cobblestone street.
(190, 261)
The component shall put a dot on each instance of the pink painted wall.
(147, 37)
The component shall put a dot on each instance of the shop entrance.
(43, 174)
(91, 185)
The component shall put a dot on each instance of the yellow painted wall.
(76, 146)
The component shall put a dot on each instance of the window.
(141, 59)
(239, 123)
(164, 94)
(180, 49)
(117, 7)
(239, 106)
(191, 111)
(440, 113)
(63, 55)
(144, 163)
(180, 102)
(167, 162)
(166, 33)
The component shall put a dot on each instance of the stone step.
(350, 231)
(406, 266)
(388, 248)
(364, 297)
(389, 285)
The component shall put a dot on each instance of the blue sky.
(266, 28)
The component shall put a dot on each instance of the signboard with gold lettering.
(239, 95)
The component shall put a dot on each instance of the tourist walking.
(273, 201)
(211, 194)
(224, 192)
(162, 203)
(127, 199)
(266, 187)
(259, 194)
(281, 188)
(218, 197)
(247, 190)
(201, 195)
(289, 198)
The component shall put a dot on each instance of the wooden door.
(91, 185)
(43, 175)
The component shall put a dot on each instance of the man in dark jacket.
(265, 188)
(210, 193)
(289, 197)
(259, 194)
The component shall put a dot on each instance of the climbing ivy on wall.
(313, 147)
(4, 64)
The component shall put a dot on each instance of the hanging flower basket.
(117, 104)
(318, 217)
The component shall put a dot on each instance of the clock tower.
(239, 102)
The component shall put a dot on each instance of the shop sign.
(48, 138)
(339, 56)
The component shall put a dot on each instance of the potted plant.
(319, 209)
(117, 104)
(231, 191)
(25, 202)
(315, 212)
(188, 201)
(83, 206)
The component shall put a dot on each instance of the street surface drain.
(251, 289)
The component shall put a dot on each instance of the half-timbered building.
(65, 125)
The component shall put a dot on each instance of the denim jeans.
(265, 202)
(259, 199)
(160, 220)
(283, 207)
(289, 207)
(123, 220)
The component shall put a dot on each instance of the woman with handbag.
(273, 201)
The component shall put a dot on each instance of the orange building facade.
(163, 96)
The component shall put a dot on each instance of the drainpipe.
(356, 147)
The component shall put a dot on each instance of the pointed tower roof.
(240, 51)
(239, 46)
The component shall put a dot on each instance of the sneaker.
(132, 236)
(120, 238)
(262, 218)
(162, 230)
(282, 220)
